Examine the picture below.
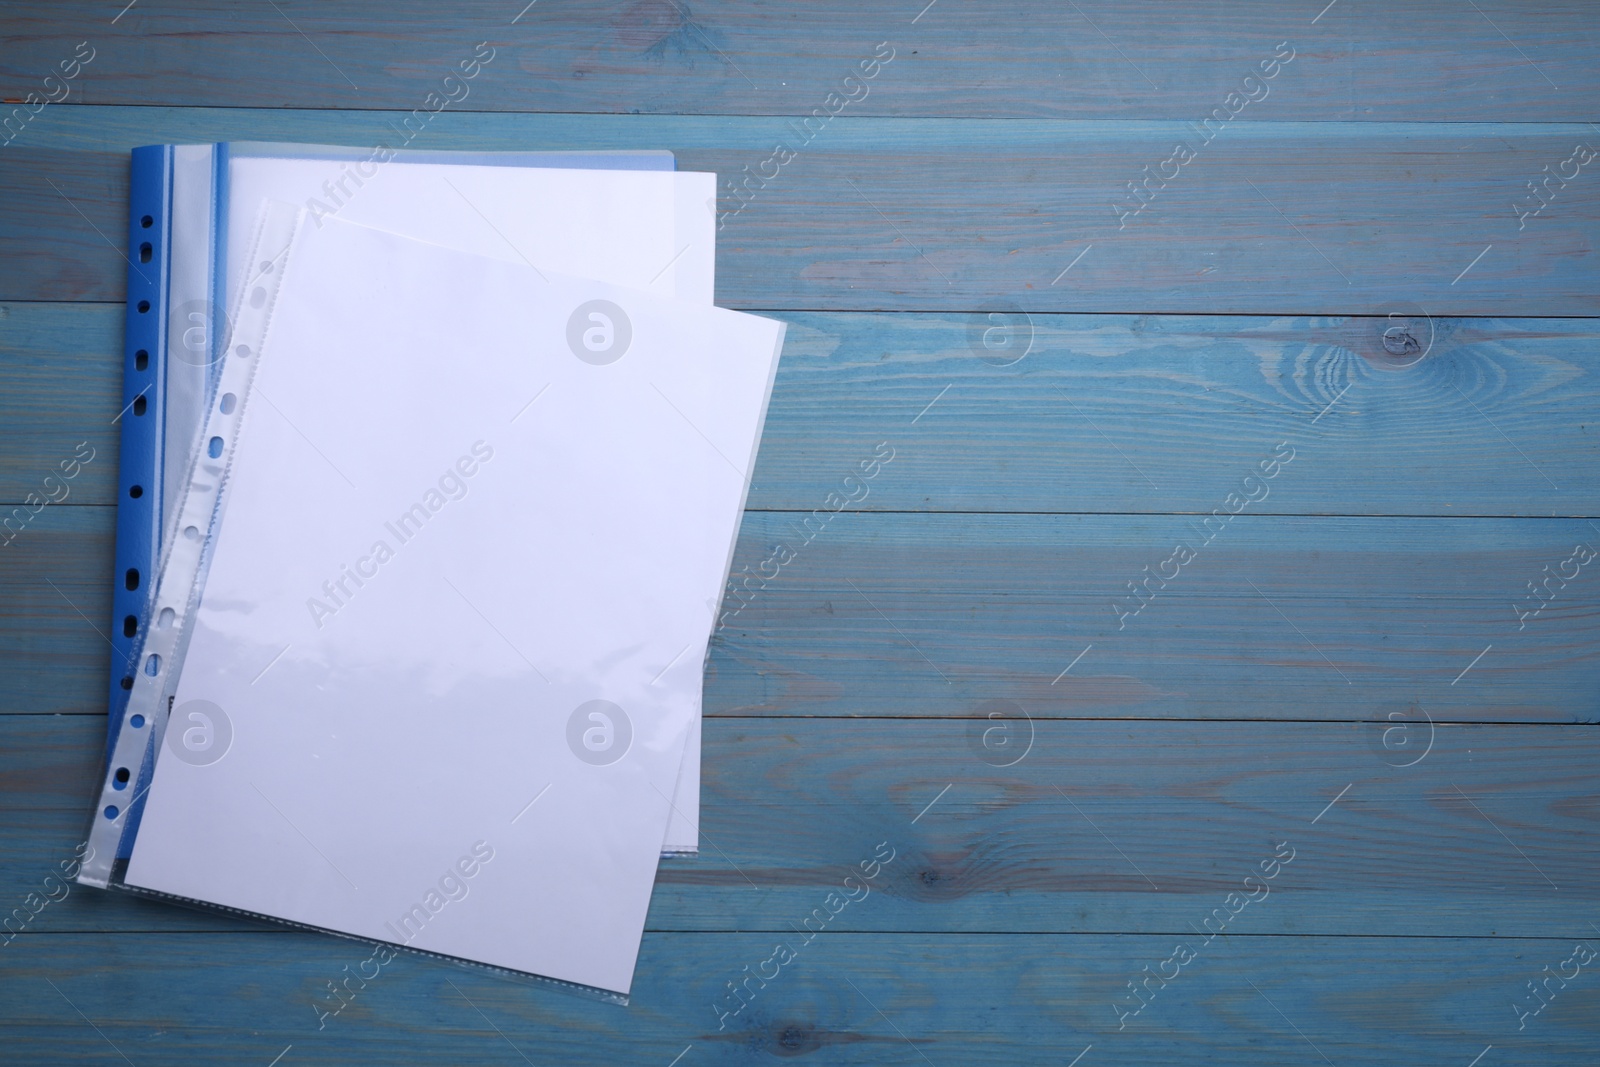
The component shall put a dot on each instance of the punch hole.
(214, 447)
(131, 579)
(137, 722)
(266, 266)
(147, 222)
(139, 404)
(242, 351)
(127, 683)
(193, 534)
(229, 402)
(130, 626)
(166, 618)
(152, 665)
(120, 781)
(141, 360)
(136, 491)
(145, 251)
(111, 811)
(258, 296)
(144, 306)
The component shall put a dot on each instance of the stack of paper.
(421, 661)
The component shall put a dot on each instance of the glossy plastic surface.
(431, 625)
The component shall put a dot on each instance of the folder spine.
(140, 717)
(143, 415)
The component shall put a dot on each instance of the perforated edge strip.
(177, 592)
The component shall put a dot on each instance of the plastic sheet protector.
(454, 605)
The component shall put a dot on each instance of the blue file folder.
(151, 421)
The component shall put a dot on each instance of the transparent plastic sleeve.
(428, 644)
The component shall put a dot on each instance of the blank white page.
(535, 501)
(648, 230)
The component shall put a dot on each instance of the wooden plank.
(1052, 827)
(846, 999)
(1410, 60)
(930, 615)
(1129, 414)
(62, 365)
(1067, 413)
(57, 577)
(1333, 618)
(1296, 218)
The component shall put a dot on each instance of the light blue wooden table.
(1214, 646)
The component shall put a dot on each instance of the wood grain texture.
(931, 615)
(1277, 617)
(1297, 218)
(848, 999)
(1412, 60)
(1064, 413)
(1341, 666)
(1050, 827)
(57, 654)
(62, 368)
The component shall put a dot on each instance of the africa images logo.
(599, 332)
(196, 326)
(599, 732)
(199, 733)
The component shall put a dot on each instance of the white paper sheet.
(648, 230)
(550, 519)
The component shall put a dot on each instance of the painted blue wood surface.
(1406, 60)
(855, 999)
(1291, 218)
(1350, 666)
